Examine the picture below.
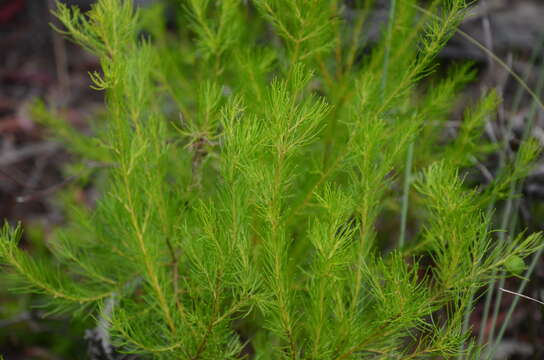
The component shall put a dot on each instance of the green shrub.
(272, 190)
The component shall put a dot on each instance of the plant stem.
(410, 152)
(390, 23)
(405, 194)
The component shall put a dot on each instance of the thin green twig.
(405, 194)
(390, 25)
(410, 151)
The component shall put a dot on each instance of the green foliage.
(245, 223)
(515, 265)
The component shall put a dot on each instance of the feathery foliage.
(250, 162)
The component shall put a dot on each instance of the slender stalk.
(491, 286)
(487, 306)
(521, 295)
(405, 194)
(148, 262)
(468, 310)
(410, 152)
(357, 31)
(390, 25)
(507, 214)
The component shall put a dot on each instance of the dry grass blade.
(521, 295)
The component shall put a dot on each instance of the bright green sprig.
(251, 186)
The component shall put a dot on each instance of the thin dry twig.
(521, 295)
